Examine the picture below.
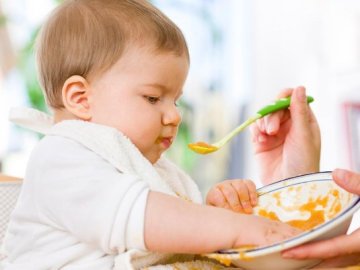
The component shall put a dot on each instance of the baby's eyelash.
(151, 99)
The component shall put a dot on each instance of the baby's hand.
(261, 231)
(237, 195)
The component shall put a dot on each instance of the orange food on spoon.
(202, 147)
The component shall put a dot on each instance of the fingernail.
(300, 94)
(247, 206)
(342, 175)
(343, 178)
(270, 128)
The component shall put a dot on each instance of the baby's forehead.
(142, 69)
(150, 60)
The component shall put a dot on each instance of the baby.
(97, 193)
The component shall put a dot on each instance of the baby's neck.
(61, 115)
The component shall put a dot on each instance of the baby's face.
(138, 97)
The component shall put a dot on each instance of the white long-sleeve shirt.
(74, 208)
(83, 202)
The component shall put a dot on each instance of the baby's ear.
(75, 94)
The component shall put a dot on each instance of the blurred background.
(243, 52)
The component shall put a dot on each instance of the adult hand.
(342, 250)
(287, 143)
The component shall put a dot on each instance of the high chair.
(9, 192)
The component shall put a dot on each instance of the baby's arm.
(237, 195)
(174, 225)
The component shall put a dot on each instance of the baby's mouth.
(165, 141)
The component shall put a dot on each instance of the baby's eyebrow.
(163, 88)
(157, 85)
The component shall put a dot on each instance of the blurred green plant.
(2, 20)
(179, 152)
(27, 67)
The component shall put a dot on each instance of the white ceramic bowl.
(303, 200)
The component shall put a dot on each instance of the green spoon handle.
(278, 105)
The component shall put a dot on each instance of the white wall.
(315, 44)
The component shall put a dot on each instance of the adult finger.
(255, 132)
(341, 245)
(339, 262)
(272, 121)
(348, 180)
(285, 93)
(299, 109)
(261, 125)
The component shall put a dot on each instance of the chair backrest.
(9, 192)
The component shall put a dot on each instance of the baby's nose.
(172, 116)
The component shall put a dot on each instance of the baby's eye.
(152, 100)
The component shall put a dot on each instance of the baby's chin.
(152, 158)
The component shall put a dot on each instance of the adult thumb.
(348, 180)
(299, 109)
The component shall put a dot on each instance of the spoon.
(205, 148)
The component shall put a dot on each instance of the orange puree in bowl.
(316, 218)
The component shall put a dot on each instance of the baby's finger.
(231, 197)
(216, 198)
(243, 194)
(252, 192)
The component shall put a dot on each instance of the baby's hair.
(87, 37)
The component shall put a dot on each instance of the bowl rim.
(303, 237)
